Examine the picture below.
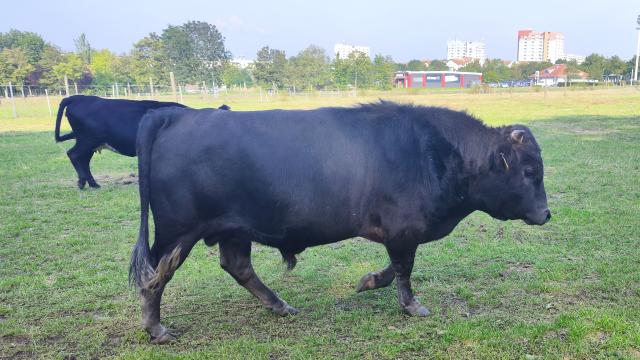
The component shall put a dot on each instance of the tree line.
(195, 52)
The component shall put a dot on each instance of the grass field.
(569, 289)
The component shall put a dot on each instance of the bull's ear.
(517, 136)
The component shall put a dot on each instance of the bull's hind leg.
(402, 264)
(85, 162)
(151, 294)
(80, 155)
(376, 280)
(235, 258)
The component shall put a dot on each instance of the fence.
(18, 101)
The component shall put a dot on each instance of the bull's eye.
(529, 172)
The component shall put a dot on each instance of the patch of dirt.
(634, 353)
(457, 306)
(517, 267)
(598, 337)
(118, 179)
(14, 340)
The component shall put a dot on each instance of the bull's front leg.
(376, 280)
(402, 263)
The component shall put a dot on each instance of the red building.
(436, 79)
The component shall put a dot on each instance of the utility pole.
(637, 51)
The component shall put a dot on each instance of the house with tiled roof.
(558, 74)
(456, 64)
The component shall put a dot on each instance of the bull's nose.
(547, 215)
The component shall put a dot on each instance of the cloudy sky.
(404, 30)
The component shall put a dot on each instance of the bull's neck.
(475, 143)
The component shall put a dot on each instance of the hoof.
(367, 282)
(81, 184)
(285, 310)
(160, 335)
(163, 339)
(94, 185)
(416, 309)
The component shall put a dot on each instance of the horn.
(506, 164)
(517, 136)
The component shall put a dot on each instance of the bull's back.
(267, 171)
(111, 121)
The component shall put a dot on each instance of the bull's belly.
(297, 238)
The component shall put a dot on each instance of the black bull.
(396, 174)
(99, 123)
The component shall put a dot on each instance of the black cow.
(99, 123)
(398, 175)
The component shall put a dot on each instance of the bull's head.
(513, 187)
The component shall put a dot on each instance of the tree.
(51, 56)
(270, 67)
(383, 70)
(416, 65)
(437, 65)
(71, 66)
(572, 71)
(309, 69)
(631, 66)
(31, 43)
(14, 66)
(195, 51)
(148, 60)
(83, 48)
(233, 75)
(615, 65)
(107, 68)
(495, 71)
(356, 70)
(473, 66)
(594, 64)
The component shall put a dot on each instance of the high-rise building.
(457, 49)
(344, 50)
(540, 46)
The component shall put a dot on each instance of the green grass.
(496, 289)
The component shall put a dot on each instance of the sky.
(403, 29)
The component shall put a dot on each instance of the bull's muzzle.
(539, 217)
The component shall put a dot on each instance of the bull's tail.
(145, 271)
(63, 104)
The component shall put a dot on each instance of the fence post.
(46, 93)
(75, 86)
(151, 86)
(66, 85)
(117, 92)
(13, 101)
(180, 90)
(204, 86)
(173, 86)
(113, 91)
(129, 89)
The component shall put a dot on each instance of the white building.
(578, 58)
(457, 49)
(344, 50)
(540, 46)
(555, 46)
(241, 62)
